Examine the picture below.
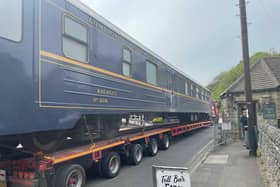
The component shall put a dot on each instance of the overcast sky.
(200, 37)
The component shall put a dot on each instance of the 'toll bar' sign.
(171, 177)
(3, 182)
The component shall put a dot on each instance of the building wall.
(230, 115)
(231, 110)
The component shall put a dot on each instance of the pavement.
(229, 166)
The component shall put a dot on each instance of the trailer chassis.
(67, 167)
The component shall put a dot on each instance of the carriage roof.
(101, 19)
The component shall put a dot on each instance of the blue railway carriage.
(63, 67)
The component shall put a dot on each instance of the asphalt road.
(182, 150)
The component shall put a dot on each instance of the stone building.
(265, 78)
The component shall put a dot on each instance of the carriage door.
(170, 86)
(16, 64)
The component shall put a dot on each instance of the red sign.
(215, 110)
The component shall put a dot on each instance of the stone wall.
(269, 147)
(230, 115)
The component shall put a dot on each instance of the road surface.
(182, 150)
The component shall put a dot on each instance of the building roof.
(274, 65)
(265, 74)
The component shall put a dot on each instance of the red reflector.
(31, 175)
(42, 167)
(97, 155)
(26, 175)
(20, 174)
(15, 174)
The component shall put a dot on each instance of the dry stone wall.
(269, 146)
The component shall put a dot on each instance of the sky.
(200, 37)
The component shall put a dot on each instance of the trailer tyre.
(71, 175)
(164, 143)
(95, 170)
(135, 154)
(152, 148)
(110, 165)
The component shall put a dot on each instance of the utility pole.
(248, 88)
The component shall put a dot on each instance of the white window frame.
(203, 95)
(75, 39)
(127, 62)
(192, 90)
(186, 88)
(197, 92)
(19, 35)
(156, 75)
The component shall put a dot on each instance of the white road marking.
(216, 159)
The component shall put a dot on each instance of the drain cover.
(216, 159)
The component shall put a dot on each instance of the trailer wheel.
(135, 154)
(95, 170)
(110, 165)
(152, 148)
(164, 142)
(71, 176)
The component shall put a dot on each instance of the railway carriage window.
(192, 90)
(11, 20)
(126, 65)
(197, 92)
(186, 88)
(192, 117)
(203, 95)
(208, 96)
(75, 40)
(151, 73)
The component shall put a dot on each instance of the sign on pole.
(171, 177)
(226, 126)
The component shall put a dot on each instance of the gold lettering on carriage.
(100, 100)
(106, 92)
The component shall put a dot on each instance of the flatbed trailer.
(67, 167)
